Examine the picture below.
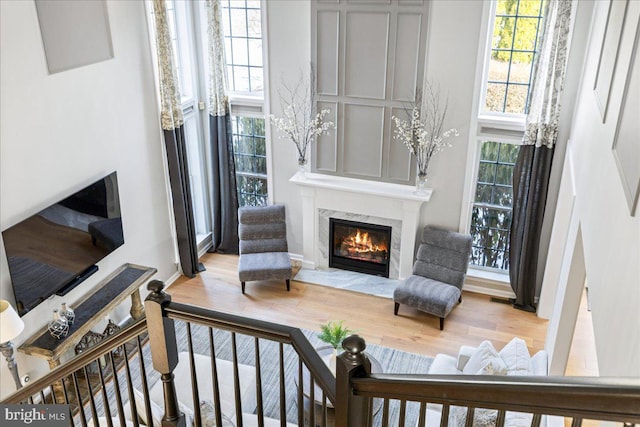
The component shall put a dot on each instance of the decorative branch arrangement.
(301, 124)
(423, 134)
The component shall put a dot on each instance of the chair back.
(443, 256)
(262, 229)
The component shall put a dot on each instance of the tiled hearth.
(325, 196)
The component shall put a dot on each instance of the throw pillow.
(208, 414)
(157, 411)
(485, 355)
(516, 355)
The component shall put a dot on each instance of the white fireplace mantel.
(379, 201)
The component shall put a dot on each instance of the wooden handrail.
(119, 338)
(261, 329)
(598, 398)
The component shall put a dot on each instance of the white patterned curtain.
(533, 167)
(549, 75)
(218, 100)
(171, 111)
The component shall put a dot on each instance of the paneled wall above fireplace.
(370, 59)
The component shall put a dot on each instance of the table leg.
(137, 309)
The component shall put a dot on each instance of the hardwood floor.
(308, 306)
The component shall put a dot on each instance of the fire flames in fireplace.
(359, 245)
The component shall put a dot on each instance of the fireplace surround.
(326, 196)
(360, 247)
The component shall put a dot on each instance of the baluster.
(324, 409)
(259, 409)
(312, 401)
(83, 417)
(132, 399)
(351, 410)
(500, 418)
(214, 375)
(143, 376)
(194, 378)
(300, 393)
(535, 421)
(164, 350)
(236, 380)
(43, 399)
(385, 412)
(116, 386)
(92, 402)
(370, 422)
(444, 417)
(470, 414)
(423, 414)
(53, 394)
(105, 397)
(576, 422)
(66, 397)
(403, 412)
(283, 409)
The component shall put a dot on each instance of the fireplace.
(360, 247)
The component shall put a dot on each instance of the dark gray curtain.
(182, 201)
(224, 198)
(530, 183)
(533, 166)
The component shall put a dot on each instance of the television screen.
(54, 250)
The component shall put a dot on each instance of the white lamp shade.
(11, 325)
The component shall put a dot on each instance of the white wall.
(451, 61)
(61, 132)
(610, 235)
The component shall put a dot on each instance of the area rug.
(349, 280)
(391, 360)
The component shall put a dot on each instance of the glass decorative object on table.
(302, 167)
(421, 184)
(58, 327)
(67, 312)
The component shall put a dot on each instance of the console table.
(122, 283)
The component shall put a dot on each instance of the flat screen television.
(56, 249)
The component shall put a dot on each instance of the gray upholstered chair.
(263, 244)
(438, 273)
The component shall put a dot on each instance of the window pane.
(521, 71)
(240, 51)
(241, 78)
(496, 94)
(483, 193)
(489, 151)
(255, 25)
(504, 174)
(503, 36)
(526, 31)
(517, 99)
(486, 172)
(255, 52)
(255, 78)
(503, 196)
(238, 23)
(508, 152)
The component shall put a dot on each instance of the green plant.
(334, 332)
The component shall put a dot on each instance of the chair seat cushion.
(427, 295)
(264, 266)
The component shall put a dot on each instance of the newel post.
(351, 410)
(164, 350)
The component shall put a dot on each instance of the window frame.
(501, 127)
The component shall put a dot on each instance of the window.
(242, 22)
(510, 54)
(491, 212)
(242, 26)
(243, 44)
(251, 160)
(513, 50)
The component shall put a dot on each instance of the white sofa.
(182, 380)
(513, 359)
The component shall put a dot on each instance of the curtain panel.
(172, 124)
(224, 197)
(533, 166)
